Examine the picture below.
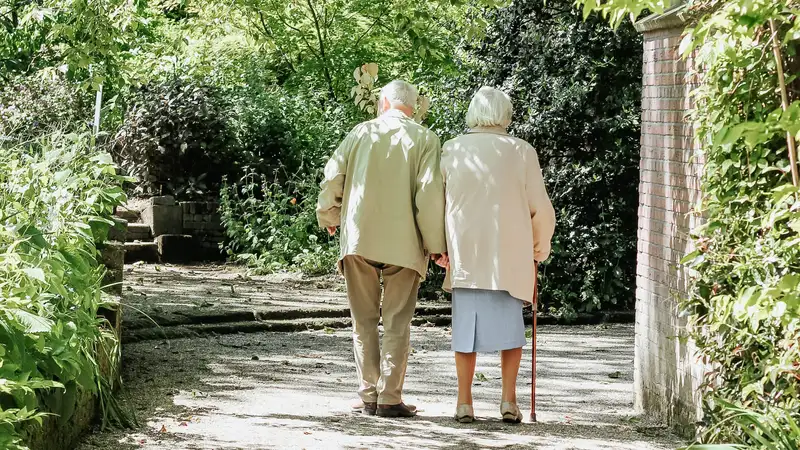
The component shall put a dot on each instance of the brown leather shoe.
(399, 410)
(367, 408)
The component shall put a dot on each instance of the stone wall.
(666, 374)
(202, 221)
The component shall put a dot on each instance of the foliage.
(775, 429)
(31, 106)
(744, 308)
(616, 11)
(273, 226)
(317, 41)
(744, 303)
(86, 40)
(174, 138)
(56, 199)
(576, 87)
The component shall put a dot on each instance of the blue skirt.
(486, 321)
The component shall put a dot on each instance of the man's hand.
(332, 230)
(441, 260)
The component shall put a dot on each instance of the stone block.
(112, 312)
(112, 255)
(112, 281)
(139, 232)
(163, 200)
(177, 248)
(163, 219)
(119, 231)
(141, 251)
(130, 215)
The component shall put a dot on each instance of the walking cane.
(533, 344)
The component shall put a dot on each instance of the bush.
(174, 139)
(743, 309)
(272, 226)
(36, 105)
(56, 198)
(576, 88)
(269, 212)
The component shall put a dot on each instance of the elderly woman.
(499, 222)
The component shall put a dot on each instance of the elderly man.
(383, 186)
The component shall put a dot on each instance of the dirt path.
(293, 390)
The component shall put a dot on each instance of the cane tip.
(533, 417)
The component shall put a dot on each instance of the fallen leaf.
(617, 374)
(163, 429)
(306, 433)
(481, 377)
(184, 424)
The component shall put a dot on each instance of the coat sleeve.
(329, 203)
(429, 198)
(543, 216)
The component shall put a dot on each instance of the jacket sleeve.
(543, 216)
(429, 198)
(329, 203)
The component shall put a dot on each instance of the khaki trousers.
(381, 371)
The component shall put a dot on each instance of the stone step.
(197, 316)
(128, 214)
(139, 232)
(141, 251)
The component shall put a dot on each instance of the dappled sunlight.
(295, 391)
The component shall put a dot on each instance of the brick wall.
(666, 374)
(202, 221)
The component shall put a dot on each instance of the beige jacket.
(499, 217)
(383, 186)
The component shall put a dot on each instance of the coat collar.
(491, 130)
(396, 113)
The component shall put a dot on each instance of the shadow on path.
(293, 390)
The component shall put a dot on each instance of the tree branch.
(268, 32)
(324, 59)
(366, 32)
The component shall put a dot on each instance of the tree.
(327, 39)
(84, 39)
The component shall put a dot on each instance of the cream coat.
(383, 186)
(498, 215)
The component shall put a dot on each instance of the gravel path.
(293, 390)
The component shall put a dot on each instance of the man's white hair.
(400, 92)
(489, 107)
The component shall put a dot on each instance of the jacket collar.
(491, 130)
(396, 113)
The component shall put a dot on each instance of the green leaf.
(588, 7)
(35, 273)
(31, 322)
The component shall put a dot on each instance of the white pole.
(97, 104)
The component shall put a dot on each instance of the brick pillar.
(666, 375)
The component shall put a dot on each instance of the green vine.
(744, 304)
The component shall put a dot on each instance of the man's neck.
(408, 112)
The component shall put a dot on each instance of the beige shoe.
(465, 413)
(510, 412)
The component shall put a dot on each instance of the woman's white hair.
(400, 92)
(489, 107)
